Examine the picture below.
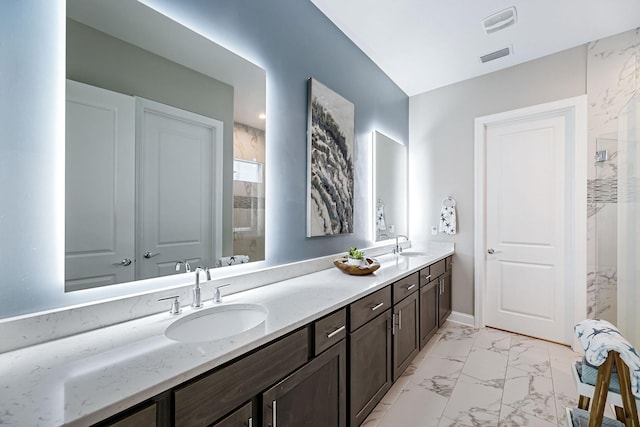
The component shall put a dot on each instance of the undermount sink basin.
(414, 253)
(215, 323)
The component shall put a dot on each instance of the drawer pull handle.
(393, 324)
(336, 332)
(427, 278)
(250, 422)
(377, 306)
(410, 287)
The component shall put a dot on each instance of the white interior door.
(180, 188)
(100, 187)
(525, 235)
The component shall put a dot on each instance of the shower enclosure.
(629, 220)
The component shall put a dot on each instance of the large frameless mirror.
(389, 187)
(165, 148)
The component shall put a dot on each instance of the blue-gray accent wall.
(291, 39)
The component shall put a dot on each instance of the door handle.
(125, 262)
(274, 416)
(150, 255)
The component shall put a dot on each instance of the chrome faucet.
(197, 296)
(397, 248)
(187, 266)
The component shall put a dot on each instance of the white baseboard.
(462, 318)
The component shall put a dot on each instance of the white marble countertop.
(85, 378)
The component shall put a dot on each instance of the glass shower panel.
(629, 220)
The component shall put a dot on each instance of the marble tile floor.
(481, 377)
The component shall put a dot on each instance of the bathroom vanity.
(331, 345)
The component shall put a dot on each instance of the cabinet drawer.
(365, 309)
(437, 269)
(448, 263)
(405, 287)
(329, 330)
(207, 399)
(143, 417)
(425, 276)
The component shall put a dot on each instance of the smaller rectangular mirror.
(389, 187)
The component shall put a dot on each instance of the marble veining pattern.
(493, 378)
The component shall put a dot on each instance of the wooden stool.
(628, 413)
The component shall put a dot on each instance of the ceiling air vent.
(500, 20)
(495, 55)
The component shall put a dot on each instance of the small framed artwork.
(330, 148)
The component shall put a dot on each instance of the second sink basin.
(215, 323)
(414, 253)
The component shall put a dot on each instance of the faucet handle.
(216, 296)
(175, 304)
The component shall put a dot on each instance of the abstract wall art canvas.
(330, 139)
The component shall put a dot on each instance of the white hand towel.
(448, 221)
(232, 260)
(381, 224)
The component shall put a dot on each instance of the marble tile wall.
(613, 76)
(248, 197)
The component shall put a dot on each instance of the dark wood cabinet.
(143, 417)
(428, 311)
(241, 417)
(406, 338)
(444, 298)
(370, 366)
(313, 396)
(214, 395)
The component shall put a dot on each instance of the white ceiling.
(426, 44)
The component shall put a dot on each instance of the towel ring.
(450, 200)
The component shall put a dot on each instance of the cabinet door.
(370, 362)
(242, 417)
(145, 417)
(444, 303)
(428, 311)
(406, 340)
(313, 396)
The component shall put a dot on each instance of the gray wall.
(441, 149)
(97, 59)
(290, 39)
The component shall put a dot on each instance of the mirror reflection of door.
(124, 225)
(180, 177)
(100, 187)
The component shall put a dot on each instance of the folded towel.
(448, 219)
(232, 260)
(589, 373)
(580, 418)
(598, 337)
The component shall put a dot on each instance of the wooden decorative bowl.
(355, 270)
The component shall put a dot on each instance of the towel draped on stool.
(598, 337)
